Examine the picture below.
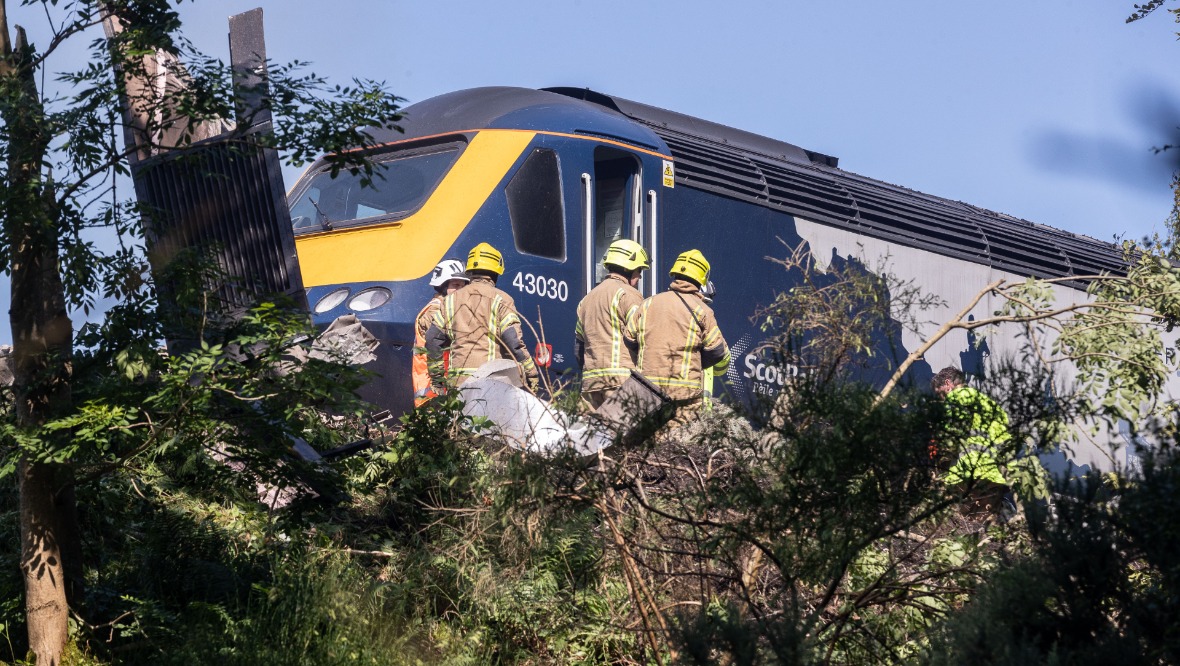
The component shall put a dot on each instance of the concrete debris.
(269, 494)
(345, 341)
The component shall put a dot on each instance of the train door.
(542, 274)
(614, 209)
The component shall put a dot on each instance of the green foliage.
(1098, 587)
(1116, 351)
(234, 395)
(482, 569)
(219, 413)
(823, 536)
(175, 578)
(1141, 11)
(842, 316)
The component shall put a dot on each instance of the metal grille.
(820, 193)
(224, 199)
(716, 169)
(808, 195)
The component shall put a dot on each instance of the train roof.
(808, 184)
(777, 175)
(516, 108)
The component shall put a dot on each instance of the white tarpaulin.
(529, 423)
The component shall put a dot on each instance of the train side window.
(536, 207)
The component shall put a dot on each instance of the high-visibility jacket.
(707, 388)
(676, 335)
(976, 431)
(478, 324)
(419, 366)
(599, 346)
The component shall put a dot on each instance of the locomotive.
(551, 177)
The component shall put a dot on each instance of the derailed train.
(551, 177)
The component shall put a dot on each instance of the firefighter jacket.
(676, 335)
(419, 367)
(603, 314)
(976, 431)
(478, 324)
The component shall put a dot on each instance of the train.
(552, 176)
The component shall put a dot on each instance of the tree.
(1113, 337)
(1141, 12)
(1098, 585)
(826, 535)
(63, 176)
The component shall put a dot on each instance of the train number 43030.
(540, 285)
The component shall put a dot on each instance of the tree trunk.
(46, 608)
(49, 535)
(42, 334)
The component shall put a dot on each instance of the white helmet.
(447, 270)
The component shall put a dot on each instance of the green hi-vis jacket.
(677, 337)
(976, 430)
(598, 338)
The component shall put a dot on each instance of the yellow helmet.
(692, 265)
(484, 257)
(626, 254)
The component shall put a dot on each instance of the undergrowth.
(817, 540)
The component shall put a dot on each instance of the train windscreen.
(400, 184)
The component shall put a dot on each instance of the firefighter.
(447, 278)
(479, 323)
(605, 359)
(676, 335)
(975, 433)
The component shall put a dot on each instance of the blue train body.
(550, 177)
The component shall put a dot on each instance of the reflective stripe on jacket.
(480, 324)
(602, 319)
(677, 336)
(976, 427)
(419, 366)
(707, 388)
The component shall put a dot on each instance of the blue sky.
(1043, 110)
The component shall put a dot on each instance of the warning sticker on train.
(669, 174)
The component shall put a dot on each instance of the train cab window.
(536, 208)
(614, 175)
(401, 183)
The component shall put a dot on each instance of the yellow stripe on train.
(409, 248)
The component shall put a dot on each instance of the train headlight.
(331, 300)
(373, 297)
